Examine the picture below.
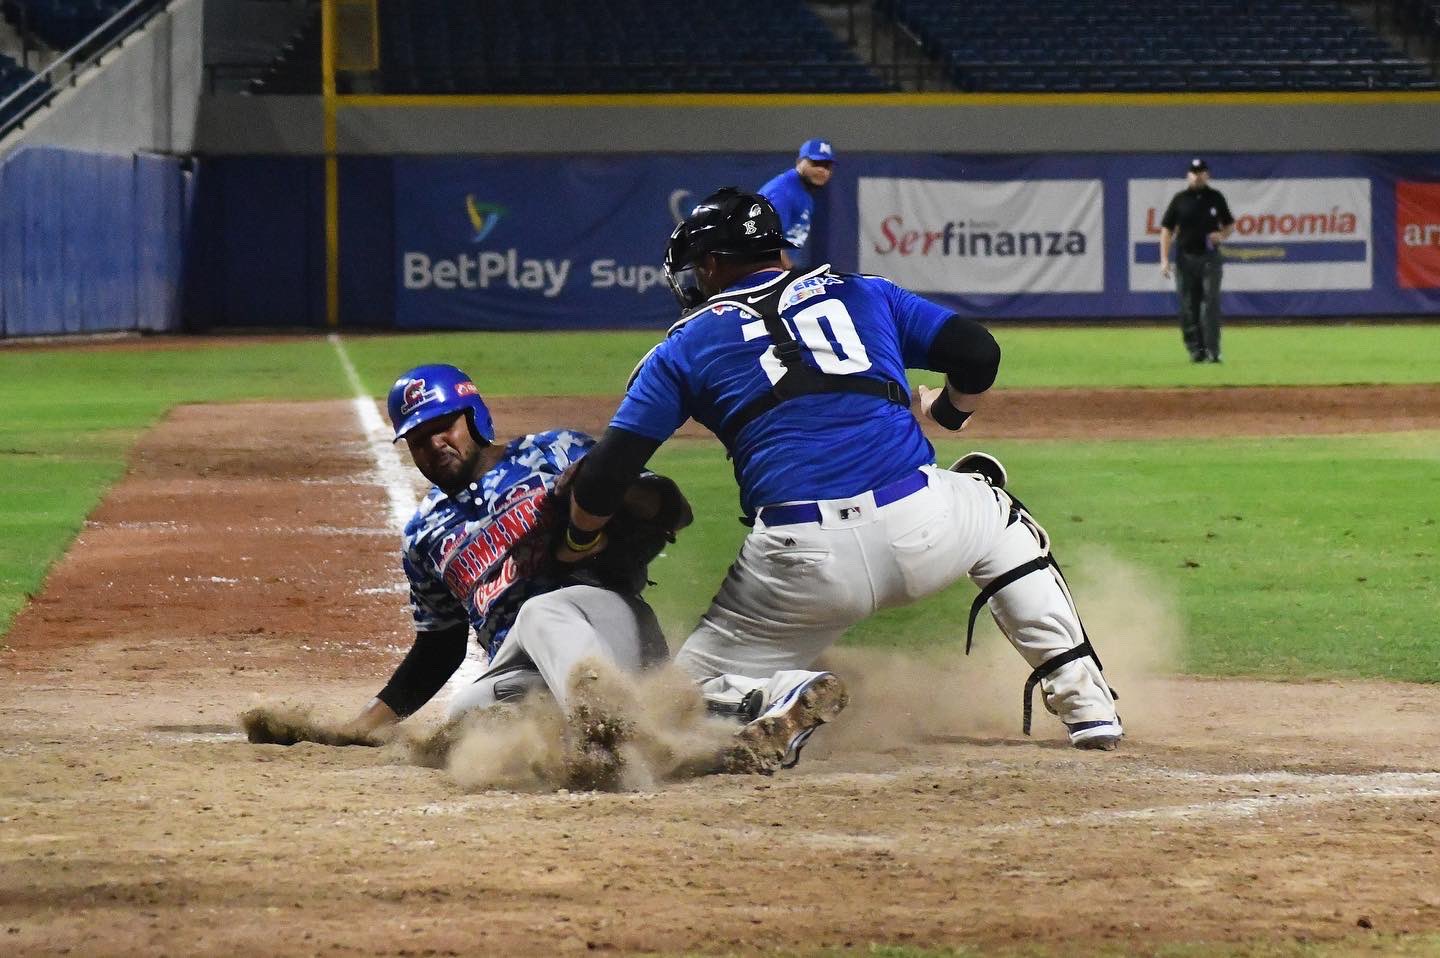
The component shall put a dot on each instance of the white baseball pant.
(555, 632)
(794, 589)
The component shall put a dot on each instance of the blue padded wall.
(91, 242)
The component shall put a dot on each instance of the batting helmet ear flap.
(475, 433)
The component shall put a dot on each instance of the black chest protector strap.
(799, 378)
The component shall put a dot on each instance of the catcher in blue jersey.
(479, 554)
(801, 373)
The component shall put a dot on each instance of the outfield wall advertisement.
(556, 242)
(545, 242)
(1062, 236)
(1003, 236)
(1291, 234)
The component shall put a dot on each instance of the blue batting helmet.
(429, 392)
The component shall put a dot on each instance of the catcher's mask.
(429, 392)
(729, 222)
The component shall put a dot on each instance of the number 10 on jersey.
(825, 329)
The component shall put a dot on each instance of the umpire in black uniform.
(1198, 219)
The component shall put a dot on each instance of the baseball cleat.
(1103, 735)
(799, 703)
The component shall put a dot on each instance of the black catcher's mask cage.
(728, 222)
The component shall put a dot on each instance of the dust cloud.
(899, 699)
(628, 732)
(623, 733)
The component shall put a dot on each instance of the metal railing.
(38, 92)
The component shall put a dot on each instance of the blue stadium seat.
(556, 46)
(1245, 45)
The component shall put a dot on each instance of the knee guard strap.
(1050, 665)
(1000, 582)
(1037, 564)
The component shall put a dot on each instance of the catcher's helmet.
(728, 222)
(429, 392)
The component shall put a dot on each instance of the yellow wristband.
(593, 540)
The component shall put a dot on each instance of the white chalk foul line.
(388, 470)
(1320, 789)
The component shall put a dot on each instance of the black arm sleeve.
(609, 468)
(967, 354)
(427, 666)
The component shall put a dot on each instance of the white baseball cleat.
(1103, 735)
(796, 703)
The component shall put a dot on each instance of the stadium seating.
(296, 67)
(60, 23)
(12, 77)
(1185, 45)
(600, 46)
(1420, 17)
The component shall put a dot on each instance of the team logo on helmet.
(416, 395)
(467, 388)
(750, 227)
(755, 210)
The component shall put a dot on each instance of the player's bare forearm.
(375, 716)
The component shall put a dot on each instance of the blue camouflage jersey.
(458, 547)
(716, 361)
(794, 202)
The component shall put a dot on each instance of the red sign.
(1417, 235)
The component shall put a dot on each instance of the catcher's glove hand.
(653, 514)
(654, 511)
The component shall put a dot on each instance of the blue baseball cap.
(818, 150)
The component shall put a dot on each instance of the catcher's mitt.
(654, 512)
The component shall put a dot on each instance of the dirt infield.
(1112, 413)
(232, 563)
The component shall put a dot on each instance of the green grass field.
(1288, 558)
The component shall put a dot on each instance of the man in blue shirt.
(802, 375)
(792, 193)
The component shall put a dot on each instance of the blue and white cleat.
(796, 703)
(1103, 735)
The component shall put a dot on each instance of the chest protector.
(800, 378)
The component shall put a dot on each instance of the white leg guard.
(1027, 596)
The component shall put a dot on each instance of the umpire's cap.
(1198, 165)
(431, 391)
